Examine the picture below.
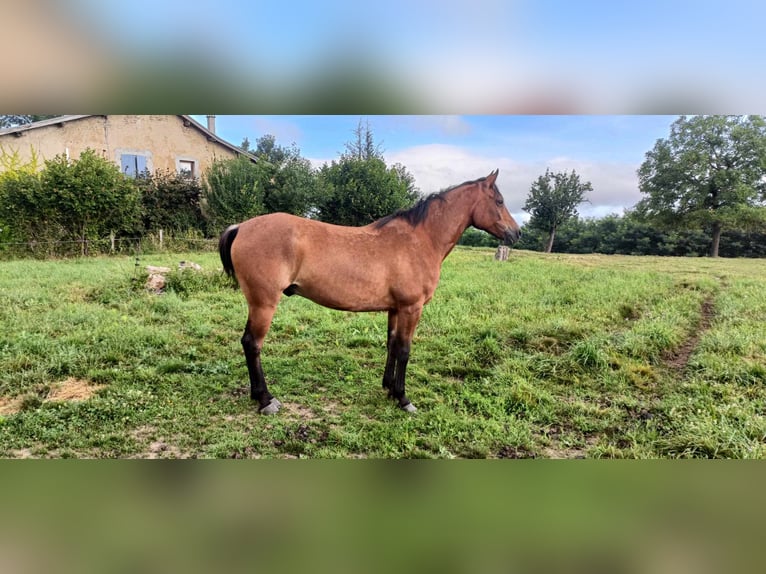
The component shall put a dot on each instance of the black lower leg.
(258, 389)
(402, 354)
(388, 374)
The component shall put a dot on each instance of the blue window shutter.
(132, 165)
(128, 164)
(140, 164)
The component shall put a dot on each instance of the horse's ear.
(492, 177)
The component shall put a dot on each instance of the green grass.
(541, 356)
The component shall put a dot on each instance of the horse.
(393, 264)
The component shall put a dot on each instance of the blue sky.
(429, 56)
(474, 56)
(445, 150)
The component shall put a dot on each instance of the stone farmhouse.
(134, 142)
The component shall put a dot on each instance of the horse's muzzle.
(511, 236)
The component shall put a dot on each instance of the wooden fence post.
(160, 238)
(502, 253)
(111, 240)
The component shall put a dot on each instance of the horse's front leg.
(388, 374)
(399, 353)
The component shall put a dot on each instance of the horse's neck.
(447, 222)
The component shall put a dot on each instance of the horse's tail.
(224, 249)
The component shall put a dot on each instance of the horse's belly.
(347, 294)
(363, 285)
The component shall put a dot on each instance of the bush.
(171, 201)
(89, 197)
(69, 200)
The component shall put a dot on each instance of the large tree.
(360, 188)
(553, 200)
(231, 193)
(287, 179)
(710, 172)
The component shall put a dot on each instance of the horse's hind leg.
(258, 323)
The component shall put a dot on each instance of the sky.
(590, 53)
(430, 56)
(440, 151)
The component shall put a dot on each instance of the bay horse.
(392, 265)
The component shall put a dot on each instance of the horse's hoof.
(409, 407)
(272, 408)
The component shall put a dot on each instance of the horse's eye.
(499, 201)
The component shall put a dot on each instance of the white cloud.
(437, 166)
(615, 184)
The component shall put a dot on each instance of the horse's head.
(490, 213)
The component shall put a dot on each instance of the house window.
(187, 166)
(132, 164)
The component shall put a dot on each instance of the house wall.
(163, 139)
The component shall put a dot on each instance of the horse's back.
(286, 235)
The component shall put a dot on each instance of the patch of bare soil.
(515, 452)
(678, 360)
(560, 452)
(161, 449)
(10, 405)
(158, 447)
(71, 389)
(22, 453)
(299, 412)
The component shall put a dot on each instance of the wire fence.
(151, 243)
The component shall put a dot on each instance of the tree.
(359, 188)
(553, 199)
(357, 192)
(231, 193)
(287, 179)
(363, 145)
(709, 173)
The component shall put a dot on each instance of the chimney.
(211, 123)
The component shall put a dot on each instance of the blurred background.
(446, 56)
(370, 516)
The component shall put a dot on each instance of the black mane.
(413, 215)
(416, 214)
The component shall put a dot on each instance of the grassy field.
(556, 356)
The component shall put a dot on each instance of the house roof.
(188, 121)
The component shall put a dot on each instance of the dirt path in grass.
(678, 360)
